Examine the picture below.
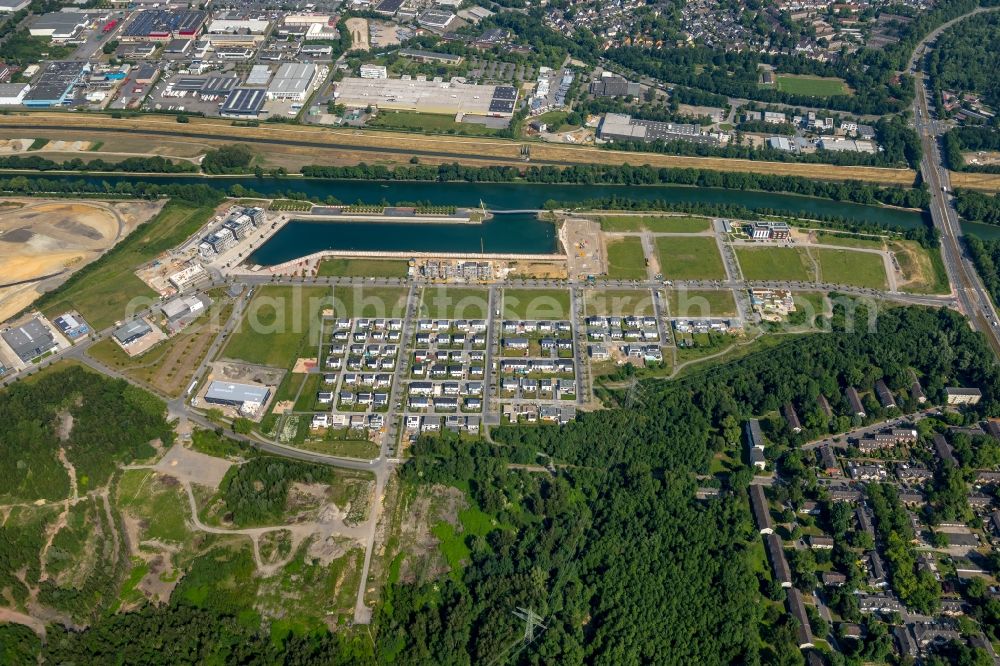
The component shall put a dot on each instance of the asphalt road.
(973, 298)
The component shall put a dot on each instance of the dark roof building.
(854, 402)
(944, 450)
(164, 24)
(828, 460)
(884, 394)
(824, 405)
(791, 418)
(755, 438)
(916, 390)
(55, 85)
(244, 103)
(761, 509)
(613, 86)
(131, 331)
(30, 340)
(803, 632)
(779, 564)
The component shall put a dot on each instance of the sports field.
(859, 269)
(626, 259)
(815, 86)
(701, 303)
(690, 258)
(774, 263)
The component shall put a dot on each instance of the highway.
(973, 298)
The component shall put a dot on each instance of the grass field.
(168, 367)
(626, 259)
(362, 301)
(922, 269)
(701, 303)
(428, 122)
(774, 263)
(348, 448)
(278, 324)
(533, 304)
(663, 224)
(441, 302)
(343, 267)
(102, 290)
(618, 302)
(690, 258)
(843, 240)
(306, 401)
(860, 269)
(815, 86)
(160, 506)
(556, 121)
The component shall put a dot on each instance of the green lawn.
(690, 258)
(534, 304)
(664, 224)
(701, 303)
(428, 122)
(860, 269)
(279, 325)
(348, 448)
(774, 263)
(815, 86)
(342, 267)
(618, 302)
(307, 396)
(626, 259)
(442, 302)
(364, 301)
(102, 290)
(556, 121)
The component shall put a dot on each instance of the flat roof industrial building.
(243, 103)
(164, 24)
(30, 340)
(236, 395)
(292, 81)
(427, 96)
(56, 83)
(621, 127)
(130, 332)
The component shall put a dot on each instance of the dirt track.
(463, 149)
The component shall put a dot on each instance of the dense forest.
(255, 492)
(966, 59)
(111, 420)
(986, 255)
(978, 207)
(970, 138)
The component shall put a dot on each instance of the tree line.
(154, 164)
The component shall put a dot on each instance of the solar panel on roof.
(505, 92)
(501, 105)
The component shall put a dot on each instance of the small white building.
(369, 71)
(12, 94)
